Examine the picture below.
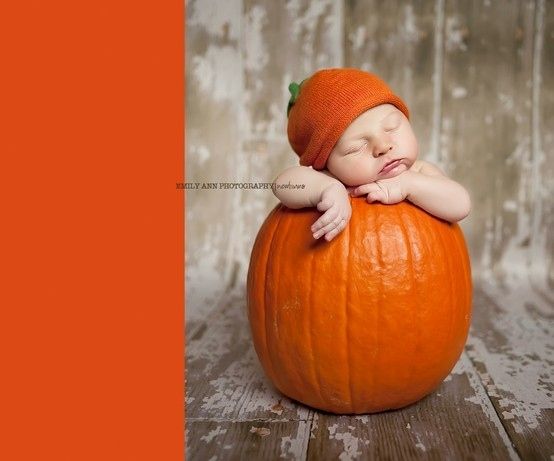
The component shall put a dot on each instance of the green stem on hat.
(294, 89)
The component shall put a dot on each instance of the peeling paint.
(255, 52)
(482, 399)
(214, 16)
(208, 69)
(525, 385)
(358, 37)
(201, 153)
(213, 434)
(420, 445)
(241, 389)
(350, 443)
(204, 284)
(295, 447)
(459, 92)
(456, 33)
(408, 30)
(260, 431)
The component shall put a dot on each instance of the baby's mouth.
(390, 165)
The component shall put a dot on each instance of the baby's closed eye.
(356, 148)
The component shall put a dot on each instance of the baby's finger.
(365, 189)
(325, 219)
(375, 196)
(323, 230)
(329, 227)
(333, 233)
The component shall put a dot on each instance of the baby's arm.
(301, 186)
(430, 189)
(426, 186)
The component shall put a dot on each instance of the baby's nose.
(382, 149)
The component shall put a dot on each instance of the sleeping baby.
(353, 137)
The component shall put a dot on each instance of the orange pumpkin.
(371, 321)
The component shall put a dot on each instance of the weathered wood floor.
(497, 404)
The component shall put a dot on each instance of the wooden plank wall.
(478, 76)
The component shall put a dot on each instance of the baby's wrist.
(331, 185)
(411, 178)
(322, 188)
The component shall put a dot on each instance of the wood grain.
(248, 440)
(213, 50)
(224, 377)
(283, 42)
(542, 243)
(511, 347)
(486, 137)
(395, 40)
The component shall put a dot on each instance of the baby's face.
(372, 140)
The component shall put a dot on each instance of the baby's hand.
(388, 191)
(336, 205)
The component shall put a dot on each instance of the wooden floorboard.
(456, 421)
(247, 440)
(224, 376)
(487, 408)
(511, 346)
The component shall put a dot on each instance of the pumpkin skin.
(373, 320)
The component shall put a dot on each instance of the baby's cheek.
(409, 144)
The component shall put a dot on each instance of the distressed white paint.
(200, 152)
(312, 38)
(332, 49)
(213, 434)
(523, 369)
(459, 92)
(358, 38)
(455, 34)
(506, 100)
(419, 445)
(433, 156)
(242, 389)
(212, 55)
(481, 398)
(538, 193)
(255, 51)
(204, 284)
(306, 21)
(296, 446)
(209, 71)
(349, 442)
(303, 28)
(408, 30)
(214, 16)
(510, 205)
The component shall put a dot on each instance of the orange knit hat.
(323, 106)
